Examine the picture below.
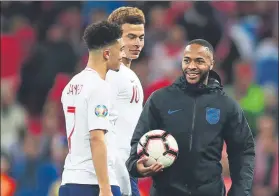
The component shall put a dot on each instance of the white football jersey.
(127, 100)
(85, 101)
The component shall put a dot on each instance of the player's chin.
(134, 56)
(192, 80)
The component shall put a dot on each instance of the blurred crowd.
(42, 48)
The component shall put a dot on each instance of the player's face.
(133, 38)
(116, 53)
(196, 63)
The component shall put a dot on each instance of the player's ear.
(212, 65)
(106, 54)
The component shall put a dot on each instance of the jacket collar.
(214, 84)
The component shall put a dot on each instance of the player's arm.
(241, 152)
(149, 120)
(98, 124)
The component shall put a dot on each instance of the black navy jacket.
(200, 119)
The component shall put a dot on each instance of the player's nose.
(192, 65)
(137, 41)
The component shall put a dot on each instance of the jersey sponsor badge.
(101, 111)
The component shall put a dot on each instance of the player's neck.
(98, 64)
(127, 62)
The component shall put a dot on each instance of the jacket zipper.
(193, 126)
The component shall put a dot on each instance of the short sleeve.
(98, 105)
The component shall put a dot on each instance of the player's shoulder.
(161, 96)
(124, 74)
(89, 80)
(92, 81)
(116, 74)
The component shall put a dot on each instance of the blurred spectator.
(97, 15)
(140, 66)
(38, 74)
(70, 19)
(156, 29)
(176, 10)
(266, 168)
(200, 22)
(59, 151)
(29, 9)
(13, 116)
(271, 101)
(266, 60)
(166, 56)
(245, 35)
(8, 184)
(249, 94)
(90, 6)
(50, 127)
(25, 35)
(167, 79)
(54, 98)
(25, 168)
(11, 56)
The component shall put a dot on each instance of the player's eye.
(186, 60)
(131, 37)
(200, 62)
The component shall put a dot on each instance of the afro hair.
(101, 34)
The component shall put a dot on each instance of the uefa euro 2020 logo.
(101, 111)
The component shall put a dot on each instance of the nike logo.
(173, 111)
(132, 81)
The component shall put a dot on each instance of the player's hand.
(148, 171)
(105, 192)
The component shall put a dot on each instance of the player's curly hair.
(130, 15)
(100, 34)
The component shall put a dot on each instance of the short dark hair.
(100, 34)
(202, 42)
(129, 15)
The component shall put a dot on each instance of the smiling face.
(116, 53)
(133, 38)
(196, 63)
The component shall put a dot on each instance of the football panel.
(166, 160)
(155, 148)
(172, 143)
(150, 161)
(156, 132)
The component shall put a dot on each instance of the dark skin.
(150, 170)
(196, 63)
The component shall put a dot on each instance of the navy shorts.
(134, 186)
(84, 190)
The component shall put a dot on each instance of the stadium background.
(41, 48)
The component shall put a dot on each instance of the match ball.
(158, 146)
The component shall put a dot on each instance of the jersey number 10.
(135, 96)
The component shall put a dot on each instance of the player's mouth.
(192, 75)
(135, 52)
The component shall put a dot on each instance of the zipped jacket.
(201, 119)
